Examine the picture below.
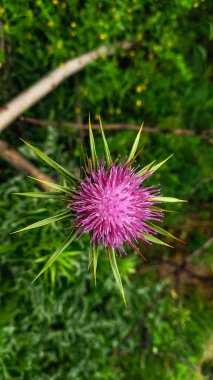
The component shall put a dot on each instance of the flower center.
(113, 205)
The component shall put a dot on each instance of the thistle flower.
(114, 207)
(109, 201)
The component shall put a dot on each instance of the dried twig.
(47, 84)
(1, 36)
(187, 132)
(200, 250)
(199, 185)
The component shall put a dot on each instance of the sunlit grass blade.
(155, 240)
(161, 231)
(106, 147)
(64, 255)
(52, 163)
(95, 260)
(64, 182)
(135, 145)
(167, 199)
(116, 273)
(55, 255)
(66, 263)
(157, 166)
(92, 146)
(53, 276)
(55, 186)
(47, 195)
(52, 219)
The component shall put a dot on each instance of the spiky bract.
(109, 201)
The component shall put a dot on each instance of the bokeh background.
(63, 327)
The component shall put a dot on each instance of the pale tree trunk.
(33, 94)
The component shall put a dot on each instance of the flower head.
(109, 201)
(114, 206)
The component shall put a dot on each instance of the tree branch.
(199, 185)
(20, 163)
(27, 98)
(117, 126)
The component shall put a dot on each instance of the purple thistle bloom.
(114, 207)
(110, 203)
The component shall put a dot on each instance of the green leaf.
(62, 189)
(106, 148)
(157, 166)
(92, 146)
(155, 240)
(116, 273)
(52, 219)
(135, 145)
(167, 199)
(55, 255)
(52, 163)
(95, 261)
(47, 195)
(161, 231)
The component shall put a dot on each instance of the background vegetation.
(63, 327)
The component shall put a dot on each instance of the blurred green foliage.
(73, 330)
(163, 79)
(64, 327)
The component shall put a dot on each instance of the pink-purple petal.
(114, 207)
